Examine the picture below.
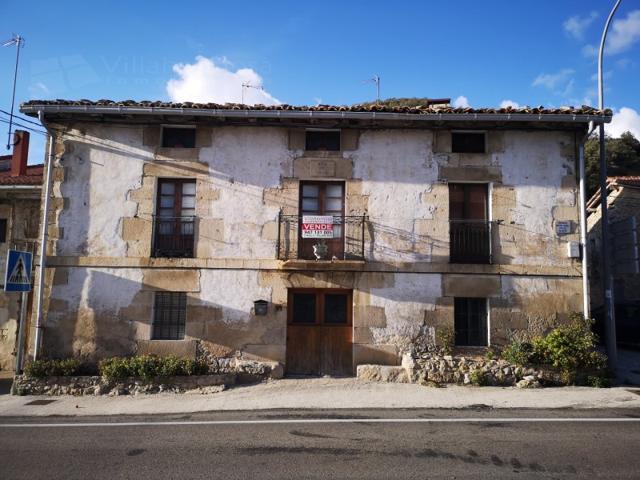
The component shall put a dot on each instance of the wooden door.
(319, 332)
(322, 198)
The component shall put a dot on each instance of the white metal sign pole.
(22, 330)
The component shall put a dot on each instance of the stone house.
(623, 199)
(20, 186)
(318, 237)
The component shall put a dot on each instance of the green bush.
(519, 353)
(569, 348)
(53, 368)
(150, 366)
(478, 377)
(447, 338)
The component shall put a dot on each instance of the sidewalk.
(325, 393)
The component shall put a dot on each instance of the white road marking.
(320, 421)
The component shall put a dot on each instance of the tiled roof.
(33, 176)
(419, 110)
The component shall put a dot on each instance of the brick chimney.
(20, 153)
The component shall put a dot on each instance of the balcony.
(344, 241)
(173, 236)
(470, 241)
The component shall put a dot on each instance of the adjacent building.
(20, 186)
(319, 237)
(623, 200)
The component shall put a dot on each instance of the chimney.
(20, 153)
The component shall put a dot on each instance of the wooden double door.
(319, 332)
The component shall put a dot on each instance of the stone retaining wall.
(243, 372)
(433, 368)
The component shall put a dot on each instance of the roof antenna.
(375, 79)
(18, 41)
(248, 85)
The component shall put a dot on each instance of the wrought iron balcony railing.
(342, 239)
(470, 241)
(173, 236)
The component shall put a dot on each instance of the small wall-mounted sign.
(317, 226)
(563, 227)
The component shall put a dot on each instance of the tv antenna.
(248, 85)
(18, 41)
(375, 79)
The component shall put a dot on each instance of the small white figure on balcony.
(320, 250)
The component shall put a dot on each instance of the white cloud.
(461, 102)
(204, 81)
(576, 26)
(509, 103)
(589, 51)
(624, 33)
(560, 83)
(624, 120)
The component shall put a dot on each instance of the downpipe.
(44, 237)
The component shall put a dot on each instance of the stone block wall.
(101, 280)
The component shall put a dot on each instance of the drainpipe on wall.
(43, 241)
(586, 299)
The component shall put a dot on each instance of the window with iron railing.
(175, 221)
(169, 315)
(469, 227)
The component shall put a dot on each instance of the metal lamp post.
(607, 279)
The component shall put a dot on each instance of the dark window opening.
(470, 322)
(469, 228)
(3, 230)
(304, 308)
(335, 309)
(175, 137)
(320, 307)
(468, 142)
(322, 140)
(174, 223)
(169, 315)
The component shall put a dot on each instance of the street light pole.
(607, 279)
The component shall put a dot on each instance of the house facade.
(623, 200)
(20, 186)
(318, 237)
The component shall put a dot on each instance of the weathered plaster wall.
(105, 191)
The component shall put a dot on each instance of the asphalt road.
(360, 444)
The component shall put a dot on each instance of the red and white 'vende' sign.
(317, 226)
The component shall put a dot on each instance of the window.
(469, 228)
(470, 322)
(169, 314)
(179, 137)
(175, 218)
(468, 142)
(3, 230)
(323, 140)
(323, 199)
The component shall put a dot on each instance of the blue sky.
(477, 53)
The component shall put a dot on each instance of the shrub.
(478, 377)
(53, 368)
(447, 338)
(571, 347)
(150, 366)
(519, 353)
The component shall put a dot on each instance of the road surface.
(383, 444)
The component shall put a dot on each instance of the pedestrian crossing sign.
(18, 275)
